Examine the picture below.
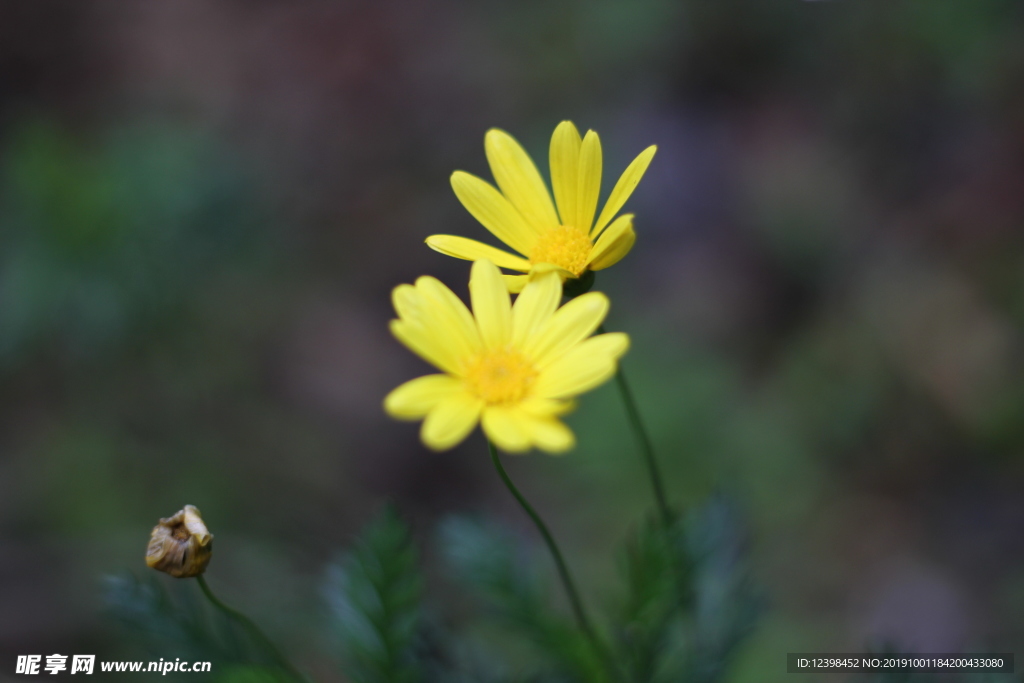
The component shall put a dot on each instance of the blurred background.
(205, 205)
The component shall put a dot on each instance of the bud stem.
(254, 631)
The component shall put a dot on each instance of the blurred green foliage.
(99, 235)
(187, 627)
(375, 595)
(511, 587)
(685, 606)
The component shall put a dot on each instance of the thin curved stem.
(253, 630)
(563, 570)
(644, 441)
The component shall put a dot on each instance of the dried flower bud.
(180, 545)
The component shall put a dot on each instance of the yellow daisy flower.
(523, 216)
(513, 368)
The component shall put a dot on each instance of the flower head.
(521, 214)
(513, 368)
(180, 545)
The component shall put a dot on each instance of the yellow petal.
(494, 212)
(405, 300)
(570, 325)
(514, 430)
(550, 435)
(585, 366)
(534, 307)
(613, 244)
(564, 156)
(519, 180)
(471, 250)
(425, 345)
(414, 329)
(417, 397)
(492, 307)
(507, 428)
(447, 318)
(589, 183)
(541, 268)
(451, 421)
(515, 283)
(623, 188)
(546, 407)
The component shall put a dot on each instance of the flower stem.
(253, 630)
(644, 441)
(563, 570)
(645, 446)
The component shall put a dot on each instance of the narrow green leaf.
(486, 560)
(726, 603)
(374, 593)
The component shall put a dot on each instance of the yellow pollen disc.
(565, 246)
(500, 376)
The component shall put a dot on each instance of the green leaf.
(726, 602)
(688, 602)
(647, 619)
(374, 593)
(486, 560)
(185, 626)
(250, 674)
(146, 610)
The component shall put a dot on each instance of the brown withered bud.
(180, 545)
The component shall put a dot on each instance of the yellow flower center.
(500, 376)
(565, 246)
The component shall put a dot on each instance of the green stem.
(644, 441)
(253, 630)
(563, 570)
